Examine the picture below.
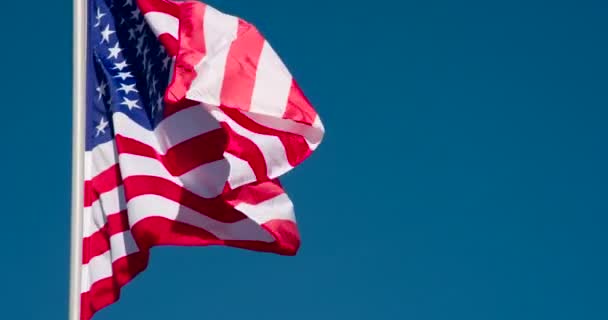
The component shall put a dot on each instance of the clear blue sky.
(464, 174)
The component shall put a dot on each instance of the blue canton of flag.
(129, 69)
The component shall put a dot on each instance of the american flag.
(191, 118)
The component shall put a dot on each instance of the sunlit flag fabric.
(191, 119)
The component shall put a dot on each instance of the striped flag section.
(205, 172)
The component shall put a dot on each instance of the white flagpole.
(78, 134)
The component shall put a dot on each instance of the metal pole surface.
(78, 134)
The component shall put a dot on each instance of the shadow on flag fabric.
(191, 119)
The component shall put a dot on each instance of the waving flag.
(191, 118)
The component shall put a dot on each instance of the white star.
(140, 45)
(159, 101)
(148, 67)
(132, 34)
(98, 17)
(127, 88)
(151, 92)
(131, 104)
(166, 62)
(128, 2)
(105, 34)
(157, 105)
(101, 89)
(121, 65)
(101, 127)
(146, 50)
(154, 83)
(161, 51)
(114, 51)
(153, 109)
(140, 27)
(135, 14)
(124, 75)
(149, 79)
(122, 21)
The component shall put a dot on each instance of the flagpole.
(78, 134)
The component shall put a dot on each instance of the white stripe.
(122, 244)
(96, 216)
(279, 207)
(313, 135)
(184, 125)
(161, 22)
(206, 180)
(177, 128)
(124, 126)
(154, 205)
(271, 147)
(133, 165)
(100, 159)
(240, 171)
(219, 32)
(89, 223)
(100, 267)
(318, 124)
(150, 205)
(272, 84)
(220, 29)
(141, 207)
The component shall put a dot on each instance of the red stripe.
(182, 157)
(167, 7)
(215, 208)
(156, 231)
(254, 193)
(153, 231)
(191, 49)
(174, 107)
(180, 160)
(95, 245)
(196, 151)
(170, 43)
(298, 107)
(99, 242)
(241, 67)
(296, 147)
(107, 291)
(287, 235)
(245, 149)
(221, 209)
(103, 182)
(159, 231)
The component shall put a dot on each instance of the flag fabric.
(191, 118)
